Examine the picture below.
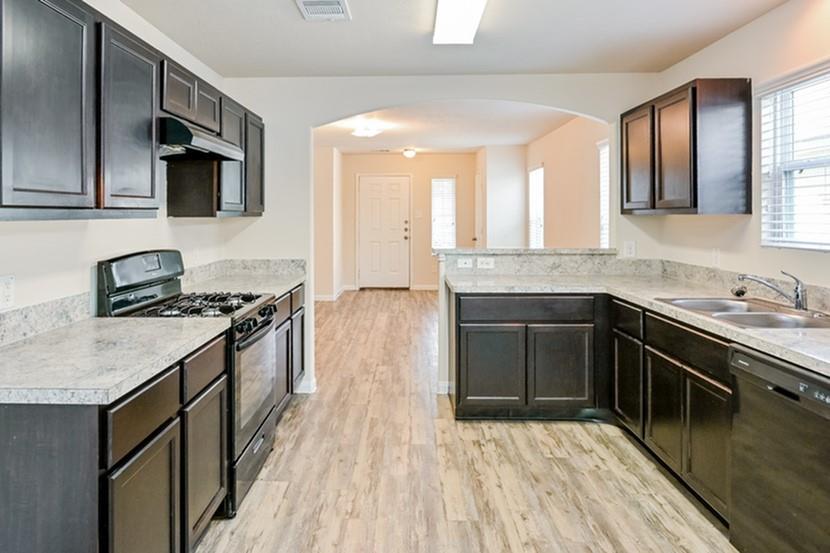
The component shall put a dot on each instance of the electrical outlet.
(485, 263)
(6, 291)
(716, 258)
(629, 248)
(465, 263)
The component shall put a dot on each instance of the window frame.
(530, 218)
(604, 146)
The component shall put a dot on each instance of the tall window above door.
(604, 153)
(536, 208)
(795, 163)
(443, 213)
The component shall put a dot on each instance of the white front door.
(383, 232)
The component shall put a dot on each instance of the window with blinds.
(443, 213)
(795, 164)
(604, 194)
(536, 208)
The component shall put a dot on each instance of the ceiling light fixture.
(409, 153)
(366, 132)
(456, 21)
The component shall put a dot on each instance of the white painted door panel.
(383, 232)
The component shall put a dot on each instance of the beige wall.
(423, 168)
(505, 186)
(324, 238)
(791, 37)
(570, 157)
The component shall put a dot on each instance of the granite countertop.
(98, 360)
(808, 348)
(274, 284)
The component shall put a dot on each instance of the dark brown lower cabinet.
(282, 385)
(492, 365)
(204, 445)
(664, 421)
(560, 365)
(297, 347)
(708, 429)
(143, 498)
(628, 381)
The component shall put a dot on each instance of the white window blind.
(443, 213)
(795, 164)
(604, 194)
(536, 208)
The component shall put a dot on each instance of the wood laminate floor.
(374, 462)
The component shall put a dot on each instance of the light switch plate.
(6, 292)
(485, 263)
(629, 248)
(465, 263)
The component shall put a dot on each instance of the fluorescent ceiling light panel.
(456, 21)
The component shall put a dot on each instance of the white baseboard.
(443, 388)
(335, 297)
(326, 297)
(427, 287)
(307, 386)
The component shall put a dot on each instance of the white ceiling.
(262, 38)
(451, 125)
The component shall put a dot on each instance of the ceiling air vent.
(324, 10)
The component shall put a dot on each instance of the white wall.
(505, 186)
(793, 36)
(53, 259)
(570, 157)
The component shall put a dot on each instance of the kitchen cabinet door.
(492, 365)
(233, 122)
(254, 164)
(560, 365)
(664, 419)
(48, 104)
(708, 429)
(178, 91)
(283, 382)
(144, 498)
(208, 106)
(628, 381)
(637, 154)
(204, 447)
(297, 348)
(129, 92)
(673, 151)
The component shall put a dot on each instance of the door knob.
(406, 237)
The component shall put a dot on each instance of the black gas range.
(148, 284)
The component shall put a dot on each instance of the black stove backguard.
(130, 282)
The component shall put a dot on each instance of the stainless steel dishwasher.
(780, 456)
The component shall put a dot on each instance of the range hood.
(183, 141)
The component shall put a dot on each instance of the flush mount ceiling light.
(456, 21)
(409, 153)
(366, 132)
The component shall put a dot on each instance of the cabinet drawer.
(689, 346)
(528, 309)
(627, 318)
(132, 420)
(297, 298)
(203, 367)
(283, 309)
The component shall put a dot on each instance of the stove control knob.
(267, 311)
(245, 326)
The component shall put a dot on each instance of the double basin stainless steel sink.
(753, 312)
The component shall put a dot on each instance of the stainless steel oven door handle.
(255, 337)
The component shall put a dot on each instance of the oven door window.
(255, 374)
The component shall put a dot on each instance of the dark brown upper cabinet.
(637, 155)
(48, 104)
(129, 129)
(208, 107)
(178, 91)
(233, 122)
(185, 95)
(254, 164)
(689, 151)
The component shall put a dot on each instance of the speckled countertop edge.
(808, 348)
